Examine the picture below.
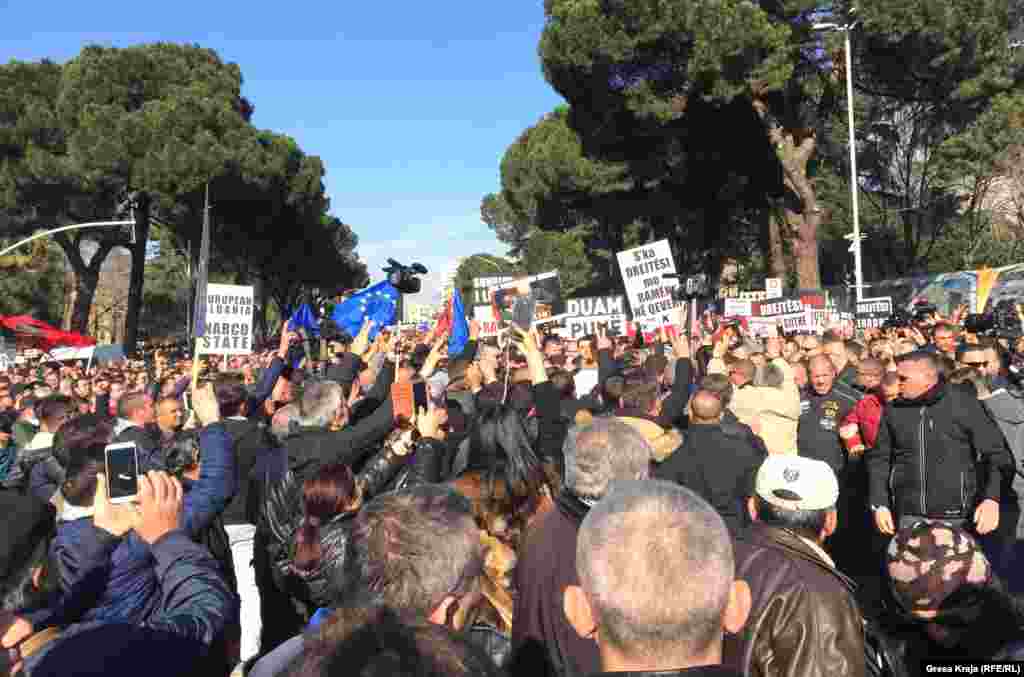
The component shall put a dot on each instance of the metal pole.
(857, 263)
(91, 224)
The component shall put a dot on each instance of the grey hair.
(280, 424)
(320, 403)
(409, 549)
(601, 452)
(656, 564)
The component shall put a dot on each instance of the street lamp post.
(77, 226)
(845, 29)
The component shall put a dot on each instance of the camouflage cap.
(928, 562)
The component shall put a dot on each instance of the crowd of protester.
(832, 503)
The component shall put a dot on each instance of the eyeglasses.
(976, 365)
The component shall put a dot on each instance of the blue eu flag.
(459, 335)
(303, 318)
(377, 303)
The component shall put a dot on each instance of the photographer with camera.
(1005, 404)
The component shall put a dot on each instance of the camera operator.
(1005, 404)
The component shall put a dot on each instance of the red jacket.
(859, 430)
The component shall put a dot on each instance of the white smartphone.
(122, 472)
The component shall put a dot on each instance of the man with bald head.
(717, 460)
(657, 588)
(824, 405)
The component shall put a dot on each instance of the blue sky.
(410, 104)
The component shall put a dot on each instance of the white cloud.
(437, 245)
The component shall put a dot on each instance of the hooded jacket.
(925, 460)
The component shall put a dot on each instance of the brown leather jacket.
(804, 621)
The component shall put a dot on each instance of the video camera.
(404, 278)
(1002, 322)
(690, 287)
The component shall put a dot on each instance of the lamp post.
(91, 224)
(845, 29)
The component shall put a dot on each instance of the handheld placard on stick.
(202, 279)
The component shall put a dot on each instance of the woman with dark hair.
(332, 492)
(307, 522)
(499, 471)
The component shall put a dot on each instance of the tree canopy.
(152, 126)
(721, 125)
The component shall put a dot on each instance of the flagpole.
(204, 271)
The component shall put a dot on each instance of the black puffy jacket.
(925, 461)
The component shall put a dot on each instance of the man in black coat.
(825, 402)
(718, 460)
(323, 435)
(930, 443)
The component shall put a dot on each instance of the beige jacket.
(773, 413)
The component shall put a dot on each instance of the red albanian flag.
(38, 334)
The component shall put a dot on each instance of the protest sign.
(738, 308)
(872, 313)
(484, 315)
(584, 315)
(542, 292)
(650, 294)
(483, 287)
(229, 313)
(796, 313)
(762, 327)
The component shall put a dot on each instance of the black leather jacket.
(282, 516)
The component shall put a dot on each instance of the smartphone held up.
(122, 465)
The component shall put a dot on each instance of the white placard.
(762, 327)
(773, 287)
(738, 308)
(649, 293)
(485, 316)
(585, 315)
(229, 312)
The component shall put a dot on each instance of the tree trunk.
(85, 278)
(778, 266)
(70, 294)
(805, 248)
(135, 284)
(802, 215)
